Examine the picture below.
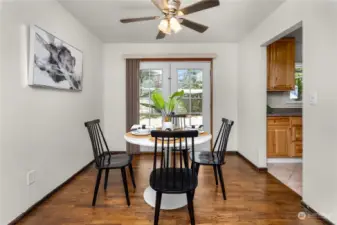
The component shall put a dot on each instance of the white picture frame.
(53, 63)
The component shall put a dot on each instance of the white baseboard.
(284, 160)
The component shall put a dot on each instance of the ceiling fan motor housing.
(173, 5)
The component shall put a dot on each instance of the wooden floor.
(252, 198)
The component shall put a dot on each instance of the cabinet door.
(278, 141)
(281, 65)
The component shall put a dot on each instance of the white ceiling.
(228, 23)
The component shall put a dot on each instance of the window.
(297, 93)
(169, 77)
(149, 80)
(191, 81)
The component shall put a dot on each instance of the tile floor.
(288, 173)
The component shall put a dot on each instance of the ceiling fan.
(173, 16)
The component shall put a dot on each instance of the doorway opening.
(284, 108)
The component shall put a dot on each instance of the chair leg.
(125, 182)
(222, 182)
(215, 174)
(185, 156)
(132, 176)
(98, 180)
(157, 208)
(190, 207)
(106, 179)
(197, 166)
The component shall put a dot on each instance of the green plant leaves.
(158, 100)
(160, 105)
(151, 106)
(177, 94)
(172, 102)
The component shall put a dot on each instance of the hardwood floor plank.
(253, 198)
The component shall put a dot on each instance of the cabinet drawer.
(296, 121)
(296, 133)
(297, 149)
(278, 121)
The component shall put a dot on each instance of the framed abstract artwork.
(53, 62)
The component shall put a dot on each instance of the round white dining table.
(169, 201)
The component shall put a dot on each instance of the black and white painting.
(53, 62)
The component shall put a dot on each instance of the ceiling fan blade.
(131, 20)
(202, 5)
(160, 4)
(161, 35)
(194, 26)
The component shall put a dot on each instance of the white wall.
(225, 83)
(1, 157)
(42, 129)
(320, 124)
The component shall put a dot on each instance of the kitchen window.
(296, 94)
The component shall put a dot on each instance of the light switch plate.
(313, 98)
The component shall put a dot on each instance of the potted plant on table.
(166, 108)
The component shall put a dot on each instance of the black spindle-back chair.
(216, 157)
(173, 176)
(106, 160)
(179, 122)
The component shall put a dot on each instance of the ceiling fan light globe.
(175, 25)
(164, 27)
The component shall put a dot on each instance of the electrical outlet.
(31, 177)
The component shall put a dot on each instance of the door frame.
(210, 60)
(263, 154)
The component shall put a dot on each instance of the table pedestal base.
(168, 201)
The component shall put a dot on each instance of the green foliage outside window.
(297, 93)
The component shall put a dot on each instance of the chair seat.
(173, 180)
(207, 158)
(117, 160)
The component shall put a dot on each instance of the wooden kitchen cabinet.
(297, 149)
(278, 137)
(296, 133)
(281, 65)
(284, 137)
(296, 137)
(278, 141)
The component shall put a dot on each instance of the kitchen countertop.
(285, 112)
